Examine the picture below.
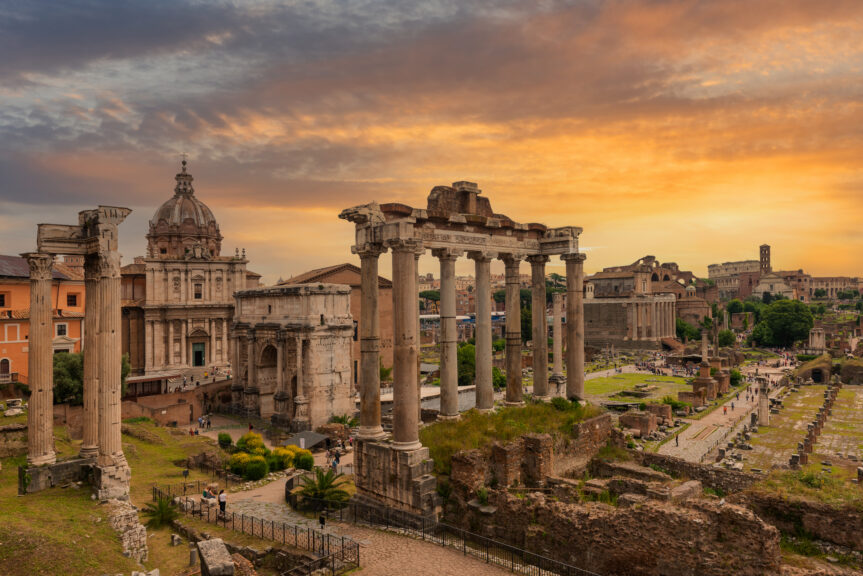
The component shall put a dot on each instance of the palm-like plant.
(324, 488)
(160, 512)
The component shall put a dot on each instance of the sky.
(690, 130)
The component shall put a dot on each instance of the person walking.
(677, 440)
(223, 501)
(725, 409)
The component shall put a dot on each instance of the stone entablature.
(292, 349)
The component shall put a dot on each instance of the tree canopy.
(466, 364)
(789, 321)
(69, 377)
(727, 338)
(734, 307)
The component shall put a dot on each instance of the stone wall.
(396, 478)
(530, 459)
(123, 518)
(72, 417)
(839, 525)
(13, 440)
(38, 478)
(729, 481)
(651, 539)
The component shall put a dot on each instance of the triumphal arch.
(95, 237)
(456, 222)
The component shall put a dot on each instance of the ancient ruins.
(95, 238)
(457, 221)
(291, 350)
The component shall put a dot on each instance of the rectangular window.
(61, 329)
(199, 291)
(72, 300)
(355, 371)
(4, 300)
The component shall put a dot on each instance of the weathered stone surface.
(215, 559)
(123, 518)
(13, 440)
(729, 481)
(644, 422)
(661, 411)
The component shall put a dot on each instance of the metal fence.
(428, 529)
(336, 554)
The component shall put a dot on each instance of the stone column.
(370, 344)
(513, 330)
(169, 358)
(184, 332)
(252, 380)
(417, 254)
(540, 326)
(280, 362)
(212, 325)
(110, 361)
(90, 444)
(575, 325)
(557, 303)
(448, 335)
(149, 342)
(405, 346)
(484, 385)
(40, 414)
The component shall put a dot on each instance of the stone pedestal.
(112, 481)
(400, 479)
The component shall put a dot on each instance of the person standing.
(223, 501)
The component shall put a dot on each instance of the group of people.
(222, 497)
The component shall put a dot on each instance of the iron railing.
(337, 554)
(491, 551)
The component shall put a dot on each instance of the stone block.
(644, 422)
(689, 489)
(662, 411)
(469, 470)
(629, 499)
(215, 559)
(506, 462)
(538, 462)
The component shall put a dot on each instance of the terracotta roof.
(323, 275)
(602, 275)
(250, 274)
(17, 267)
(24, 314)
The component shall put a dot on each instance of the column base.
(406, 446)
(442, 417)
(484, 410)
(508, 403)
(44, 460)
(89, 452)
(112, 481)
(371, 433)
(545, 398)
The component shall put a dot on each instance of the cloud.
(677, 127)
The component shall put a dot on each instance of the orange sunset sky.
(690, 130)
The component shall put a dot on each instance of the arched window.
(4, 366)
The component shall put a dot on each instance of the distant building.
(349, 274)
(67, 295)
(178, 300)
(739, 279)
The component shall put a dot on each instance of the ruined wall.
(839, 525)
(729, 481)
(652, 539)
(72, 417)
(13, 440)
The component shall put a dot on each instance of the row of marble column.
(102, 361)
(160, 352)
(406, 397)
(651, 320)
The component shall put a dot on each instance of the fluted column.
(513, 330)
(170, 347)
(183, 343)
(557, 303)
(448, 335)
(539, 325)
(405, 346)
(212, 325)
(92, 353)
(484, 385)
(252, 379)
(149, 341)
(370, 344)
(575, 325)
(110, 361)
(40, 415)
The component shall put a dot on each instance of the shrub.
(225, 440)
(561, 404)
(304, 460)
(735, 378)
(806, 357)
(497, 378)
(675, 404)
(160, 513)
(482, 495)
(282, 458)
(256, 468)
(237, 463)
(325, 486)
(252, 443)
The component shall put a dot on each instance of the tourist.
(732, 406)
(677, 440)
(223, 501)
(725, 409)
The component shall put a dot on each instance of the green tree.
(789, 321)
(498, 380)
(466, 365)
(499, 296)
(498, 345)
(820, 293)
(727, 338)
(734, 307)
(766, 298)
(686, 331)
(385, 373)
(755, 306)
(69, 378)
(429, 299)
(761, 335)
(526, 324)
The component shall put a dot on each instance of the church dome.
(184, 227)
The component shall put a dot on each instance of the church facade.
(178, 300)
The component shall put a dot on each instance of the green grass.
(811, 483)
(610, 385)
(475, 430)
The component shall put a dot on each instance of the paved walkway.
(705, 434)
(381, 553)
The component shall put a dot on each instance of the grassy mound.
(475, 430)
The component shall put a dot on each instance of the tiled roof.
(24, 314)
(323, 274)
(17, 267)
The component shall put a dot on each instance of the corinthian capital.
(40, 264)
(369, 250)
(109, 264)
